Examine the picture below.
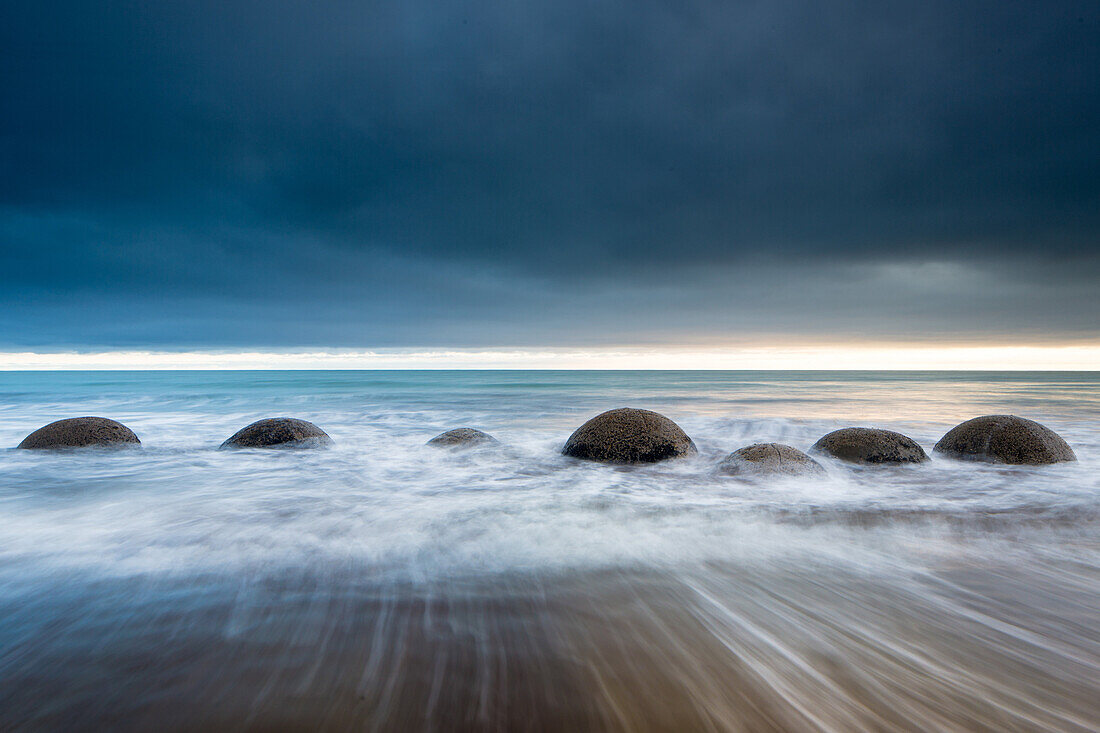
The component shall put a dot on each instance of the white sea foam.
(381, 496)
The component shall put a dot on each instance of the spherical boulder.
(80, 432)
(769, 459)
(628, 435)
(279, 432)
(462, 438)
(1004, 439)
(870, 445)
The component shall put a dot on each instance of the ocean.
(382, 584)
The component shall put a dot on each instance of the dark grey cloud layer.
(347, 173)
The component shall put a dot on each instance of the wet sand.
(996, 648)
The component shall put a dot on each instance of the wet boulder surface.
(870, 446)
(628, 436)
(764, 459)
(1004, 439)
(279, 432)
(80, 432)
(462, 438)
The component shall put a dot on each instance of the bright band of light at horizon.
(981, 358)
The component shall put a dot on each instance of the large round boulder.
(628, 435)
(870, 445)
(279, 432)
(1005, 439)
(462, 438)
(80, 432)
(769, 459)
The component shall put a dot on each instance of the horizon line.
(1075, 358)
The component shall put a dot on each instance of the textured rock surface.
(871, 445)
(769, 458)
(1005, 439)
(273, 432)
(462, 438)
(629, 435)
(79, 432)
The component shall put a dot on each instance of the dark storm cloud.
(353, 173)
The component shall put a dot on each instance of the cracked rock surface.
(286, 432)
(1005, 439)
(462, 438)
(870, 445)
(769, 458)
(629, 435)
(80, 432)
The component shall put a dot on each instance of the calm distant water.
(382, 584)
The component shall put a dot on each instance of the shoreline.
(736, 647)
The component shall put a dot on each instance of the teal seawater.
(383, 584)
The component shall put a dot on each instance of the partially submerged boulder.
(80, 432)
(279, 432)
(769, 459)
(1005, 439)
(462, 438)
(870, 445)
(629, 435)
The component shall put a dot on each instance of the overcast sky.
(479, 174)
